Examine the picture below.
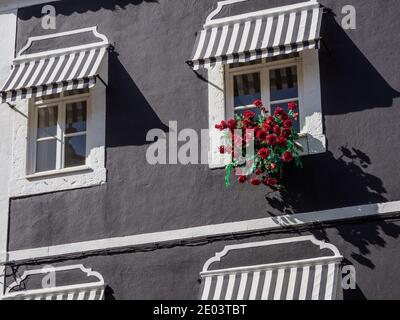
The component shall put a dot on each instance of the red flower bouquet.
(271, 140)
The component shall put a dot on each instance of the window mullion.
(60, 135)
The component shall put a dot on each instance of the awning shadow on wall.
(78, 6)
(347, 73)
(129, 116)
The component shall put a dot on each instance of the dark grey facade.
(150, 85)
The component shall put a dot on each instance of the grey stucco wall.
(173, 273)
(151, 85)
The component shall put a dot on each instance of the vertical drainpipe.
(8, 29)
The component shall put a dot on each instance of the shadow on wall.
(350, 166)
(78, 6)
(129, 115)
(348, 74)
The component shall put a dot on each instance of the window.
(60, 131)
(275, 81)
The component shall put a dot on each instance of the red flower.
(287, 123)
(249, 114)
(263, 153)
(292, 106)
(277, 130)
(232, 124)
(267, 127)
(272, 166)
(270, 182)
(270, 120)
(287, 156)
(221, 149)
(258, 103)
(272, 139)
(248, 124)
(296, 116)
(278, 111)
(255, 181)
(286, 132)
(282, 142)
(284, 116)
(262, 135)
(242, 179)
(221, 126)
(258, 172)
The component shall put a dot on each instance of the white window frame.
(220, 101)
(263, 68)
(61, 103)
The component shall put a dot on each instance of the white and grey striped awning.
(301, 281)
(291, 29)
(82, 292)
(44, 75)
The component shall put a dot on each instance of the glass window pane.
(75, 151)
(75, 117)
(283, 83)
(46, 152)
(284, 106)
(247, 88)
(47, 122)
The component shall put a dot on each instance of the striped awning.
(43, 75)
(305, 280)
(287, 30)
(81, 292)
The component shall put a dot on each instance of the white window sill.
(58, 172)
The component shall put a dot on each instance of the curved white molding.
(321, 244)
(220, 5)
(210, 21)
(88, 271)
(102, 43)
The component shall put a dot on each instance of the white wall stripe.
(254, 285)
(46, 71)
(81, 295)
(211, 43)
(242, 286)
(245, 36)
(74, 71)
(206, 290)
(292, 283)
(27, 73)
(37, 73)
(279, 28)
(97, 63)
(267, 33)
(314, 24)
(279, 283)
(267, 285)
(231, 284)
(233, 38)
(56, 69)
(16, 77)
(87, 63)
(200, 45)
(68, 66)
(218, 288)
(70, 296)
(222, 41)
(330, 281)
(289, 34)
(317, 282)
(304, 283)
(256, 35)
(302, 26)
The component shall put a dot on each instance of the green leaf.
(229, 168)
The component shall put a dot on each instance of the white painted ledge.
(257, 225)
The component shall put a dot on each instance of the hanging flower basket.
(261, 146)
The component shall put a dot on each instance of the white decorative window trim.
(22, 182)
(312, 139)
(88, 290)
